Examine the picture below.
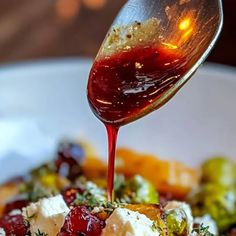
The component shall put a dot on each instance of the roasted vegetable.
(176, 222)
(171, 177)
(154, 212)
(179, 218)
(7, 191)
(137, 190)
(167, 176)
(218, 201)
(219, 170)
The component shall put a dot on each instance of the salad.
(67, 197)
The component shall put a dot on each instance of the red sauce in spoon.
(123, 84)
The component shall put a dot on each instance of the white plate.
(44, 101)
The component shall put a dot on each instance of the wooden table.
(32, 29)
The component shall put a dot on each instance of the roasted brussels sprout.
(218, 201)
(179, 218)
(219, 170)
(176, 222)
(137, 190)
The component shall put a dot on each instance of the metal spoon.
(192, 26)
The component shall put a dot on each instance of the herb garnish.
(202, 230)
(39, 233)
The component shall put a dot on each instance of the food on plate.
(136, 190)
(217, 193)
(67, 197)
(218, 201)
(171, 177)
(219, 170)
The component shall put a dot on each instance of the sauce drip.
(123, 84)
(112, 132)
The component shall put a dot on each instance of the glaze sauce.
(122, 85)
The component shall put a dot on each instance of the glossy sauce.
(123, 84)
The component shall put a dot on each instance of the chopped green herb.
(202, 230)
(92, 195)
(39, 233)
(155, 226)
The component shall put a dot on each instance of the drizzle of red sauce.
(122, 85)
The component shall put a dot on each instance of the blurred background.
(36, 29)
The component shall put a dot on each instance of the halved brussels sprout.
(137, 190)
(219, 170)
(176, 221)
(218, 201)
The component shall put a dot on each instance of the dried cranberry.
(72, 150)
(67, 234)
(14, 225)
(68, 160)
(15, 204)
(232, 231)
(81, 222)
(70, 195)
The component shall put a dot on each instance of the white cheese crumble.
(2, 232)
(47, 215)
(124, 222)
(207, 221)
(185, 208)
(15, 212)
(94, 190)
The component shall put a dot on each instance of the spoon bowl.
(186, 27)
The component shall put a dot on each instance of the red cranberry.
(70, 194)
(14, 225)
(232, 231)
(68, 234)
(81, 222)
(68, 160)
(73, 150)
(17, 203)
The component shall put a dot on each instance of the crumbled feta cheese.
(184, 207)
(124, 222)
(47, 215)
(97, 192)
(207, 221)
(2, 232)
(15, 212)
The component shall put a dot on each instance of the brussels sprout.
(180, 217)
(218, 201)
(176, 222)
(219, 170)
(137, 190)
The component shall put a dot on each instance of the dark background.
(35, 29)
